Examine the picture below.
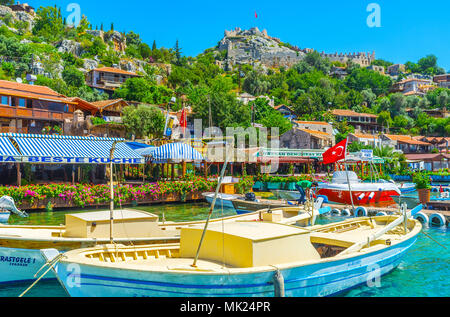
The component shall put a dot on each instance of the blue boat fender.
(437, 219)
(381, 213)
(422, 217)
(345, 212)
(434, 190)
(361, 212)
(324, 210)
(325, 198)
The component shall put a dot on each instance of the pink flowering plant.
(82, 195)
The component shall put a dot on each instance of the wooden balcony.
(13, 130)
(32, 113)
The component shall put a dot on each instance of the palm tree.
(384, 151)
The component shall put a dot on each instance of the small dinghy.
(223, 200)
(7, 205)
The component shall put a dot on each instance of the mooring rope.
(433, 239)
(51, 264)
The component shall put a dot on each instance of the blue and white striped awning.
(36, 148)
(175, 152)
(7, 149)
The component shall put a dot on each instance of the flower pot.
(424, 195)
(271, 185)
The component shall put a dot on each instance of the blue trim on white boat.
(386, 262)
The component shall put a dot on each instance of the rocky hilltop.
(255, 47)
(20, 19)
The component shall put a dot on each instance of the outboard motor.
(7, 203)
(250, 197)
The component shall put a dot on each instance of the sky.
(408, 29)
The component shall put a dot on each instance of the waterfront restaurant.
(54, 157)
(29, 108)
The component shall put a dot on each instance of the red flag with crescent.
(256, 15)
(183, 121)
(336, 153)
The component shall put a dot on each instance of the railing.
(32, 113)
(13, 130)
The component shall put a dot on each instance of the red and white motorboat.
(364, 194)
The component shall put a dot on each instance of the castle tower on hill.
(253, 47)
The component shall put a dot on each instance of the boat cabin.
(248, 244)
(127, 223)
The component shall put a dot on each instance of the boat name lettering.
(17, 261)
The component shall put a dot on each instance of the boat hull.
(19, 265)
(4, 217)
(360, 198)
(287, 194)
(243, 206)
(325, 278)
(21, 261)
(225, 201)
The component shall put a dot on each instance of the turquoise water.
(423, 271)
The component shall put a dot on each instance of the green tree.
(49, 24)
(255, 83)
(144, 121)
(73, 77)
(384, 119)
(363, 78)
(226, 110)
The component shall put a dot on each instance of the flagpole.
(346, 173)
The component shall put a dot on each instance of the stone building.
(298, 138)
(363, 122)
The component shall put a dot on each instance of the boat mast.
(346, 173)
(111, 188)
(211, 209)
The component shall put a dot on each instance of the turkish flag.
(256, 16)
(183, 121)
(336, 153)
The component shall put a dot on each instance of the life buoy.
(361, 212)
(437, 219)
(423, 218)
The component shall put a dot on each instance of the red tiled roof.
(312, 122)
(279, 106)
(30, 91)
(319, 134)
(364, 136)
(114, 70)
(105, 103)
(405, 139)
(351, 113)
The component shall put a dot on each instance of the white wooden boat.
(286, 194)
(223, 200)
(20, 258)
(243, 258)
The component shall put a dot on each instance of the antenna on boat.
(211, 209)
(111, 188)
